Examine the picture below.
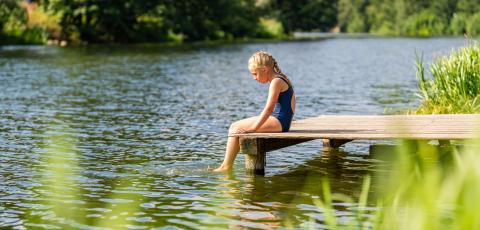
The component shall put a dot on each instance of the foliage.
(306, 15)
(211, 20)
(7, 9)
(409, 17)
(156, 20)
(458, 24)
(351, 15)
(468, 7)
(12, 21)
(270, 28)
(426, 23)
(33, 26)
(131, 21)
(433, 187)
(455, 87)
(108, 20)
(380, 18)
(473, 25)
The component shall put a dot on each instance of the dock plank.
(336, 130)
(440, 127)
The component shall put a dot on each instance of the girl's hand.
(244, 130)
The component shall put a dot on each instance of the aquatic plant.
(455, 86)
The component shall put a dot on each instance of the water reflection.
(267, 202)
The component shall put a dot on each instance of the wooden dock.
(336, 130)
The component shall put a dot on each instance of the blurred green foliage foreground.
(425, 187)
(131, 21)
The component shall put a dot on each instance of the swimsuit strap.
(281, 77)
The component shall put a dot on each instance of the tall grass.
(455, 86)
(426, 187)
(431, 188)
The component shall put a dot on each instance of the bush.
(424, 24)
(473, 25)
(19, 28)
(270, 28)
(458, 24)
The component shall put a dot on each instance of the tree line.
(410, 17)
(131, 21)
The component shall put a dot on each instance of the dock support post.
(254, 151)
(334, 143)
(444, 143)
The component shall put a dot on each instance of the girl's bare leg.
(233, 145)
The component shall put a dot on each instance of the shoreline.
(295, 37)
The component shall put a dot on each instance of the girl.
(278, 112)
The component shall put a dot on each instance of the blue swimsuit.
(283, 109)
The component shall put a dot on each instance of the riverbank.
(295, 37)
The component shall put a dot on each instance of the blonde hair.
(264, 59)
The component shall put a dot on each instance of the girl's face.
(260, 74)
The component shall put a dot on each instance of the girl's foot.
(222, 169)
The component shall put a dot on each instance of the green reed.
(431, 187)
(455, 86)
(424, 187)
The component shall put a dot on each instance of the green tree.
(7, 8)
(13, 16)
(425, 23)
(468, 7)
(104, 20)
(210, 20)
(352, 15)
(307, 15)
(381, 16)
(156, 20)
(473, 25)
(14, 25)
(458, 24)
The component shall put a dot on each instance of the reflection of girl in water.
(278, 112)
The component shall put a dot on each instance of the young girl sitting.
(278, 112)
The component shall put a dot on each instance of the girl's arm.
(273, 92)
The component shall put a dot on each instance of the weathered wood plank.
(366, 136)
(338, 130)
(370, 127)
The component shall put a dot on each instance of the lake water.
(145, 122)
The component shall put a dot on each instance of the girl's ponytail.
(276, 68)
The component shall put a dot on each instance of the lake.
(142, 124)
